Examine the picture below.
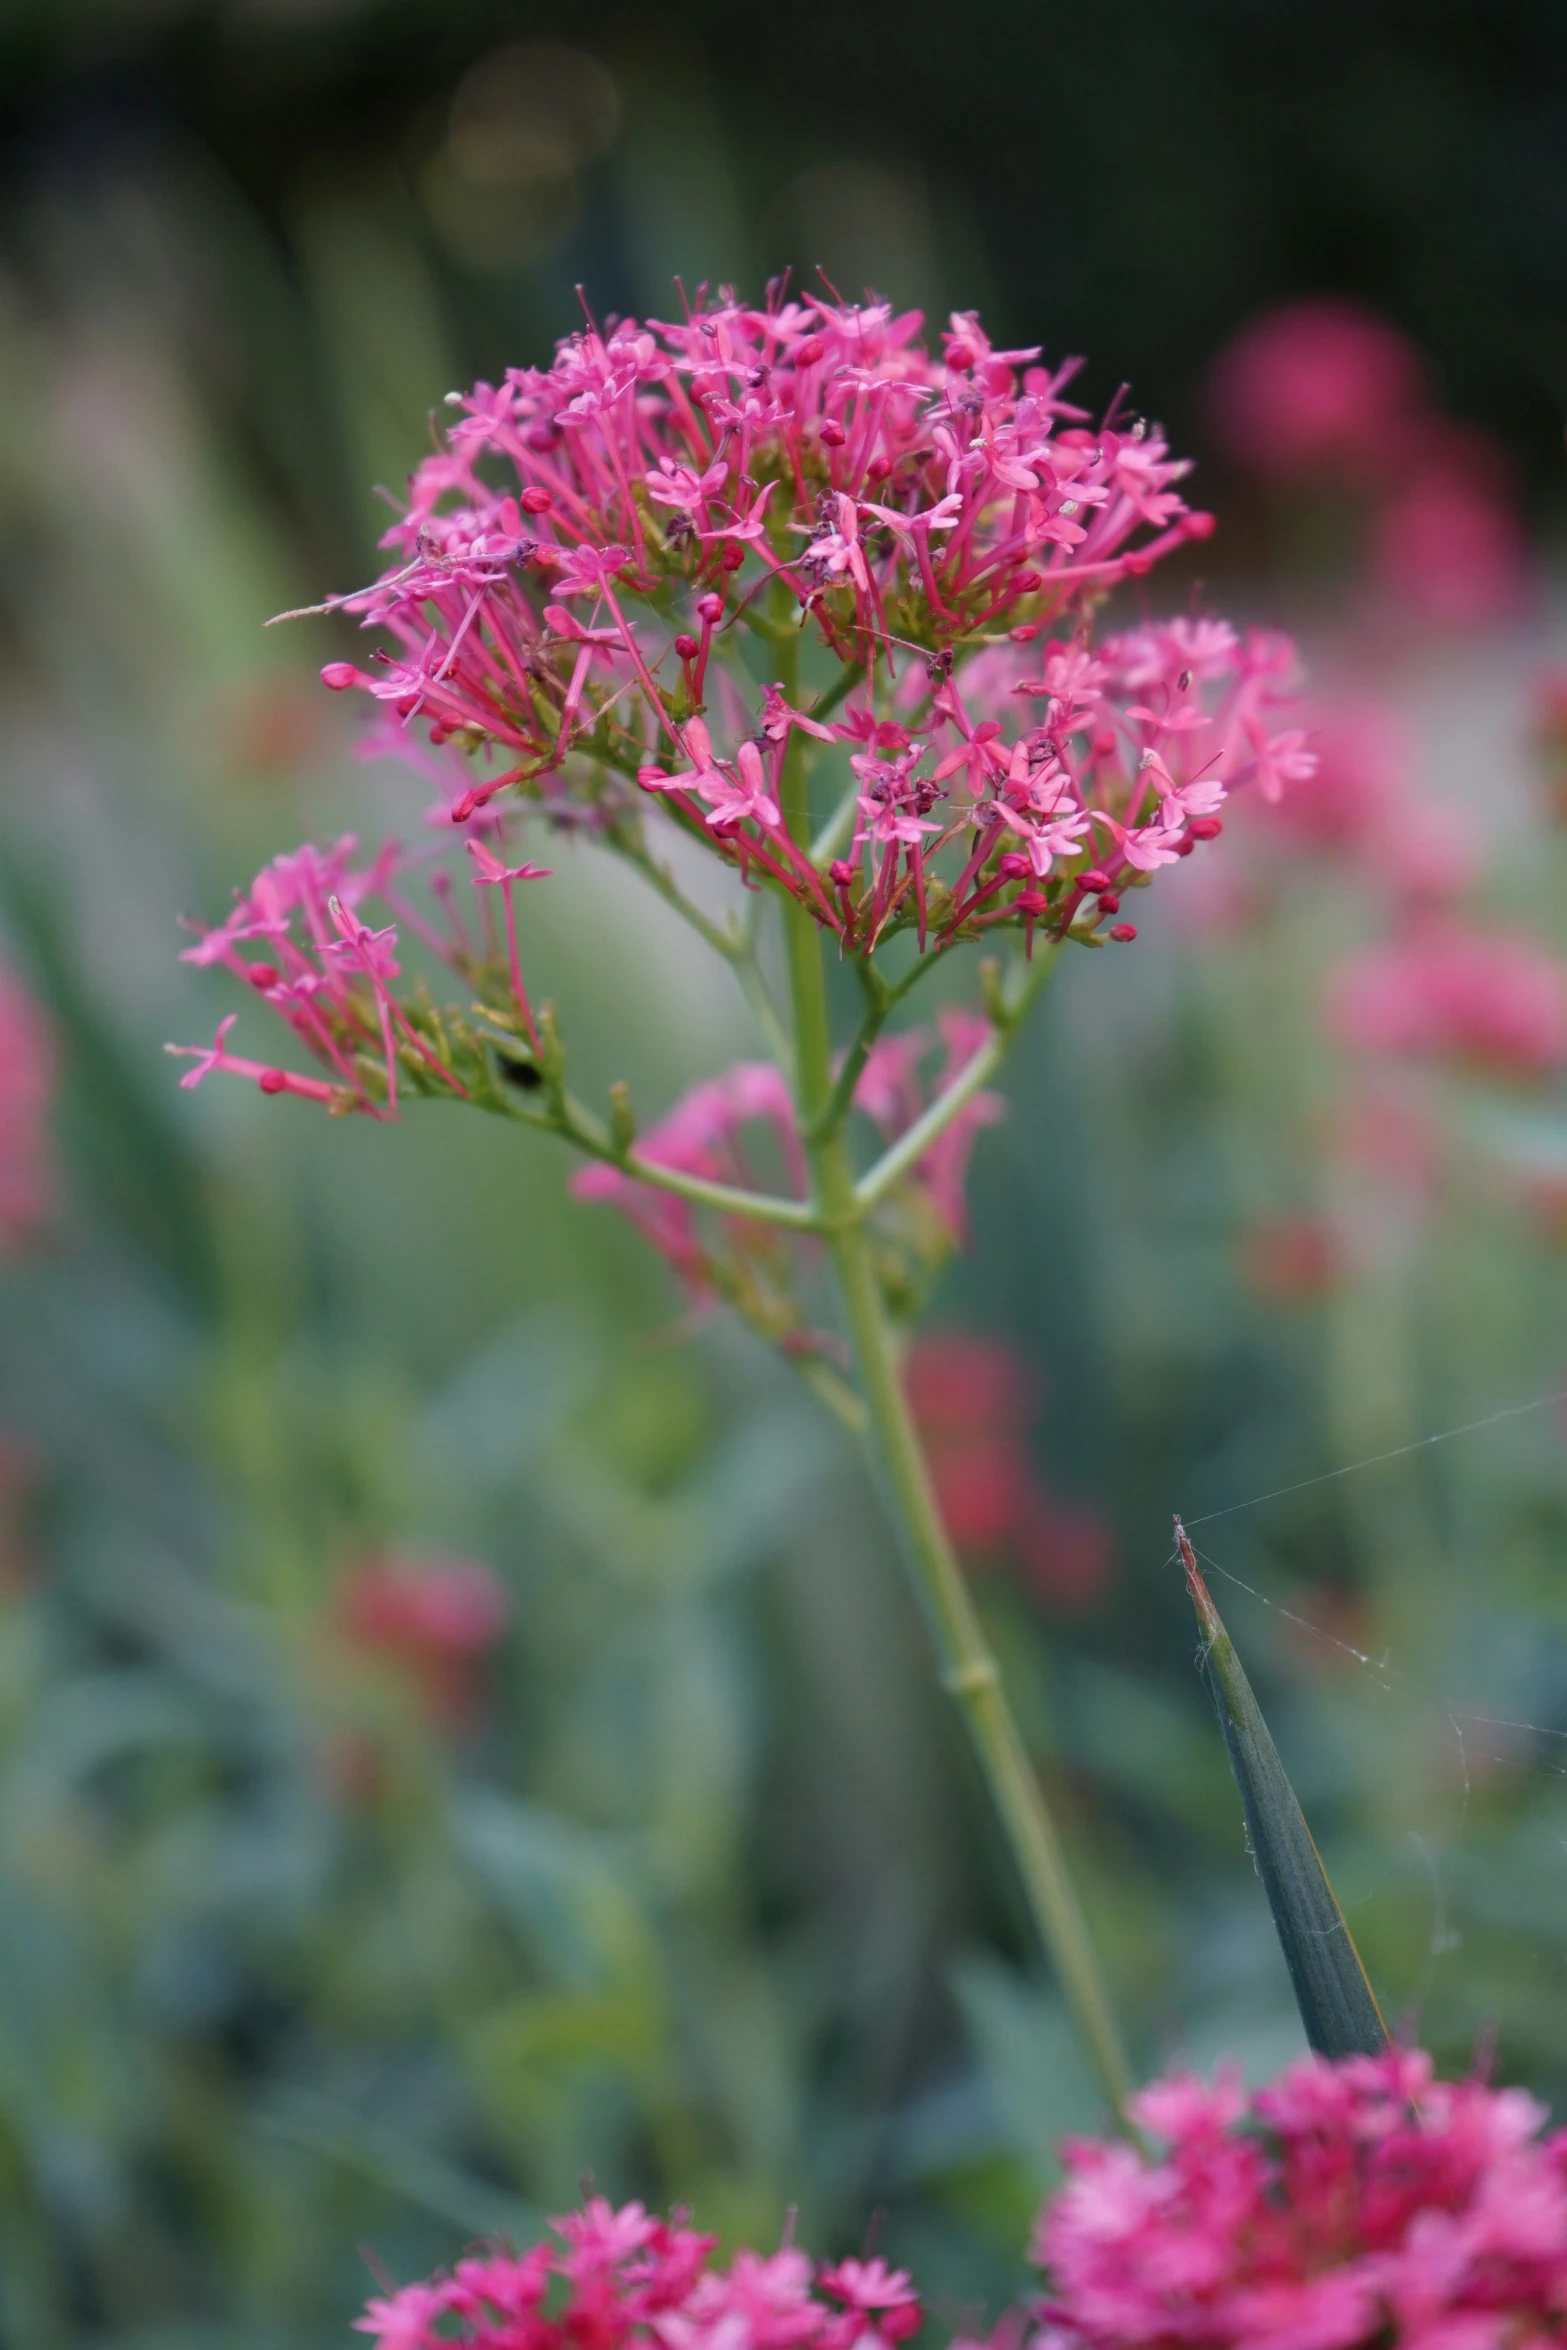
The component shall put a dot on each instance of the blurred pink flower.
(624, 2278)
(434, 1616)
(971, 1398)
(1317, 386)
(1449, 547)
(27, 1068)
(1445, 991)
(1351, 2203)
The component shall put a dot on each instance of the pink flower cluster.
(1352, 2203)
(706, 1134)
(658, 479)
(574, 575)
(620, 2278)
(1446, 991)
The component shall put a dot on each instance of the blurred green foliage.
(700, 1898)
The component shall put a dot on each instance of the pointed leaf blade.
(1337, 2004)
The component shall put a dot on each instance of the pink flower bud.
(272, 1081)
(687, 647)
(537, 500)
(1205, 827)
(840, 873)
(1093, 879)
(1012, 867)
(262, 975)
(1109, 902)
(710, 608)
(1123, 932)
(833, 434)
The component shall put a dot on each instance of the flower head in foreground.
(620, 2278)
(1352, 2203)
(26, 1088)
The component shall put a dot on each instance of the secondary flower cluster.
(1354, 2203)
(328, 973)
(621, 2278)
(714, 1132)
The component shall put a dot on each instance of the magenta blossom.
(622, 2280)
(1445, 991)
(1351, 2204)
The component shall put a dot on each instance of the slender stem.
(968, 1670)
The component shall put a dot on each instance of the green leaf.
(1337, 2004)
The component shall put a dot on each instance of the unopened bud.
(1205, 827)
(1109, 903)
(536, 500)
(463, 807)
(1026, 582)
(1184, 848)
(687, 647)
(262, 975)
(339, 675)
(1030, 901)
(1012, 867)
(733, 557)
(710, 608)
(622, 1119)
(840, 873)
(1093, 879)
(807, 353)
(1199, 526)
(833, 434)
(272, 1081)
(1026, 634)
(1123, 933)
(1103, 746)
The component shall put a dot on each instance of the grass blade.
(1337, 2004)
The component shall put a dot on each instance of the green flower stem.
(969, 1671)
